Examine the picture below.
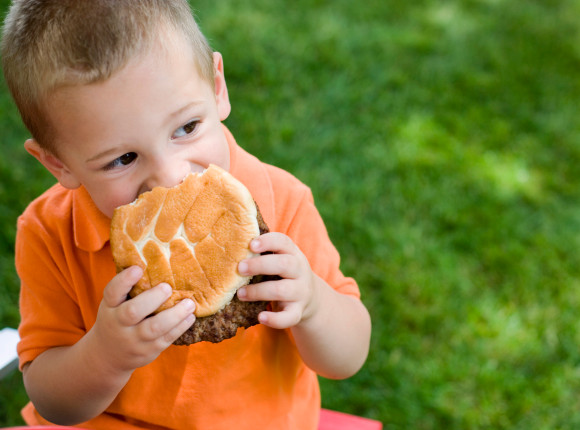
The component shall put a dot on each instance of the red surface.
(329, 420)
(332, 420)
(38, 428)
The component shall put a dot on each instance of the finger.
(169, 323)
(139, 307)
(283, 265)
(279, 291)
(178, 330)
(116, 291)
(287, 318)
(189, 319)
(274, 242)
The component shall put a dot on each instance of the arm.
(334, 340)
(72, 384)
(331, 330)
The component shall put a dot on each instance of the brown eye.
(186, 129)
(123, 160)
(127, 158)
(190, 127)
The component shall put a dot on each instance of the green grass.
(441, 140)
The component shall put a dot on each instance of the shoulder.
(288, 192)
(293, 200)
(285, 184)
(45, 229)
(51, 209)
(278, 193)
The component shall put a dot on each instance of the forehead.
(148, 90)
(166, 44)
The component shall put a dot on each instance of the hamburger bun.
(192, 237)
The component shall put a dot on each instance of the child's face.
(149, 125)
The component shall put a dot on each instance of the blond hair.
(48, 44)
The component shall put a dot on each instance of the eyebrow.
(185, 108)
(115, 149)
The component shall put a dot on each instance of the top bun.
(191, 236)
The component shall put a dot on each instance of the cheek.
(220, 152)
(107, 199)
(214, 150)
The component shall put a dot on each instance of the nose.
(166, 171)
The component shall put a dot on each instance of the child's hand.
(124, 333)
(295, 296)
(331, 330)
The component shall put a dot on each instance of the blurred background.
(441, 140)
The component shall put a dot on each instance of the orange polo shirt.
(254, 380)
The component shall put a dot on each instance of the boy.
(122, 96)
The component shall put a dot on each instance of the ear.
(53, 164)
(221, 91)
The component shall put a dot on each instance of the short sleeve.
(299, 218)
(50, 316)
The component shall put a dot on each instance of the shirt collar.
(91, 226)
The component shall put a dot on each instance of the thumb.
(116, 291)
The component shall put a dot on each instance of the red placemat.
(332, 420)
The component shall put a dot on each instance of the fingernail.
(136, 271)
(255, 245)
(242, 293)
(243, 267)
(166, 289)
(188, 304)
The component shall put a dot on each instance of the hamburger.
(192, 237)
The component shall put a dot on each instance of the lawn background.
(441, 140)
